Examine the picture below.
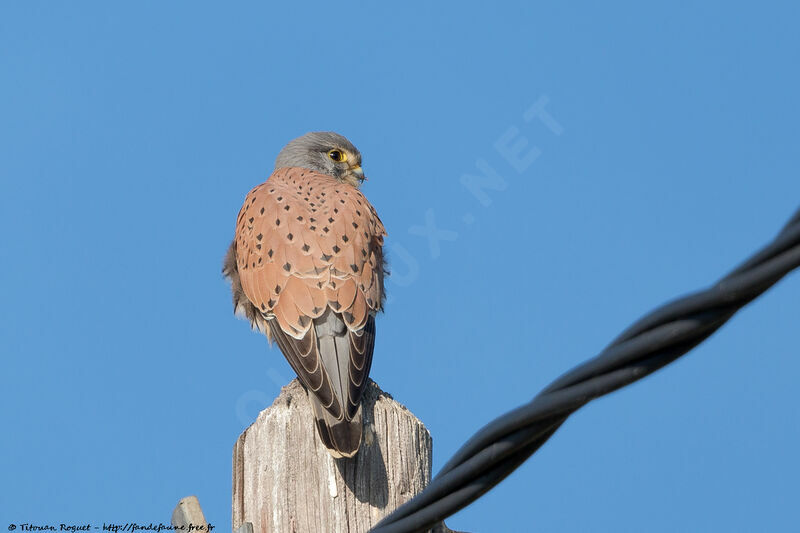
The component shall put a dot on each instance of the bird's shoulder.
(306, 241)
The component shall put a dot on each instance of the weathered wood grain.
(188, 512)
(285, 481)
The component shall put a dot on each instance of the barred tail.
(341, 437)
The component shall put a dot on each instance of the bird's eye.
(337, 155)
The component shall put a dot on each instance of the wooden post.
(285, 481)
(188, 513)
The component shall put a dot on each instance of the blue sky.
(129, 135)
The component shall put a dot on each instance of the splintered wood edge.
(188, 511)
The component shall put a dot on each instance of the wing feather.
(309, 255)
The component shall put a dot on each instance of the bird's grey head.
(326, 152)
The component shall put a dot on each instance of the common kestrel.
(306, 268)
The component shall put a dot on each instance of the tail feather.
(332, 363)
(341, 437)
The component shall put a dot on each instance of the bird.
(307, 269)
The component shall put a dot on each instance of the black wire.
(654, 341)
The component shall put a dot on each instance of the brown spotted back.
(304, 242)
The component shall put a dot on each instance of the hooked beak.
(358, 173)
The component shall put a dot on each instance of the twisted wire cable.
(654, 341)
